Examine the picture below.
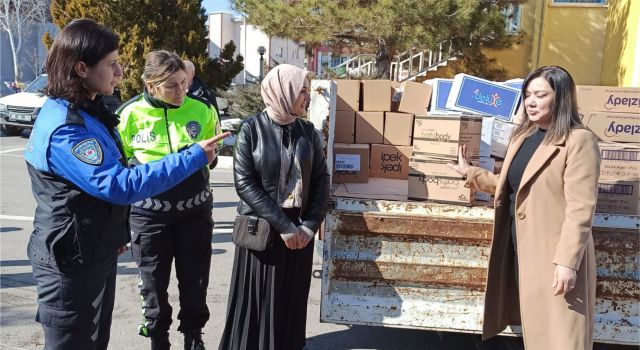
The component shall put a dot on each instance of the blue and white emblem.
(88, 151)
(193, 129)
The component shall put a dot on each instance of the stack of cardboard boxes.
(464, 110)
(613, 114)
(383, 130)
(372, 138)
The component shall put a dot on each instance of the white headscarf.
(279, 90)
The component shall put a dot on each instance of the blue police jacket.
(83, 187)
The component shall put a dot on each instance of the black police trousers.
(156, 241)
(75, 304)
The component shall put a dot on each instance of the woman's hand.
(122, 249)
(462, 167)
(564, 280)
(298, 240)
(209, 146)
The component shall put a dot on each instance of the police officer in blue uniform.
(83, 188)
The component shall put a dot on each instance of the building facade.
(224, 27)
(597, 41)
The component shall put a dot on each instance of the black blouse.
(516, 170)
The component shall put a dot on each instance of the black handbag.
(251, 232)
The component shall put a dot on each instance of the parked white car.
(19, 111)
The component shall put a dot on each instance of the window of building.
(597, 2)
(512, 15)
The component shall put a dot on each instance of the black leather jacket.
(257, 171)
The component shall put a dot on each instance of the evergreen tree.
(146, 25)
(388, 27)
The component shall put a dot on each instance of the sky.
(216, 5)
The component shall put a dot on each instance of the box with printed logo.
(619, 161)
(439, 136)
(618, 197)
(398, 128)
(474, 95)
(350, 163)
(435, 181)
(348, 95)
(441, 89)
(616, 127)
(608, 99)
(389, 161)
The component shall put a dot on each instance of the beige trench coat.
(554, 211)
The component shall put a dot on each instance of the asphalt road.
(18, 330)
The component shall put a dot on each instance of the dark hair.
(564, 113)
(82, 40)
(160, 65)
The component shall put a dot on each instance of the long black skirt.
(267, 307)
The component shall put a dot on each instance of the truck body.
(423, 265)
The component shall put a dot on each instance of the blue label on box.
(443, 87)
(487, 98)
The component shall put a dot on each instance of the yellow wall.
(598, 45)
(573, 38)
(517, 60)
(621, 61)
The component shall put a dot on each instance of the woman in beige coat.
(541, 270)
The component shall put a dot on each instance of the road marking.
(12, 155)
(16, 218)
(12, 150)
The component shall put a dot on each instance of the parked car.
(19, 111)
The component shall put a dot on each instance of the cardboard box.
(440, 188)
(376, 95)
(350, 163)
(616, 127)
(620, 161)
(608, 99)
(486, 135)
(390, 162)
(369, 127)
(348, 95)
(441, 89)
(488, 164)
(398, 129)
(502, 132)
(415, 97)
(438, 137)
(618, 197)
(345, 127)
(475, 95)
(377, 188)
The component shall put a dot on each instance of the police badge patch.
(193, 129)
(88, 151)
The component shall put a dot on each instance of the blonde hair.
(160, 65)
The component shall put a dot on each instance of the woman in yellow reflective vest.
(176, 223)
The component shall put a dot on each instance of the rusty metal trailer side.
(423, 265)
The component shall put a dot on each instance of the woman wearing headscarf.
(281, 176)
